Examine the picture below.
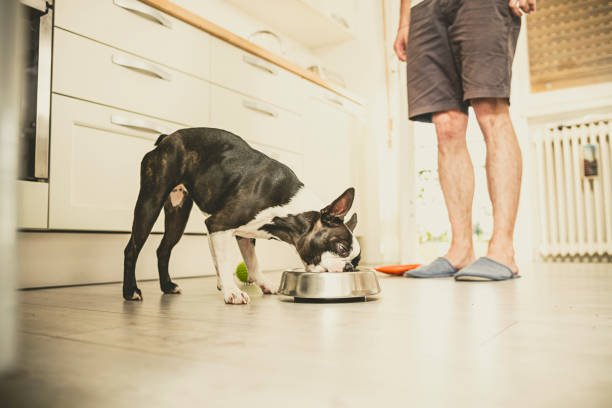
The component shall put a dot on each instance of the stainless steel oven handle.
(142, 66)
(137, 6)
(43, 97)
(139, 123)
(40, 5)
(257, 107)
(257, 63)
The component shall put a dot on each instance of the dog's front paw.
(235, 296)
(171, 288)
(267, 288)
(132, 293)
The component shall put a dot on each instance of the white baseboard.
(70, 258)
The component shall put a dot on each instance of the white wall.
(362, 63)
(530, 111)
(524, 233)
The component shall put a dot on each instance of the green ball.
(242, 273)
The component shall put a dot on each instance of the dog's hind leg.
(154, 188)
(146, 212)
(247, 249)
(176, 213)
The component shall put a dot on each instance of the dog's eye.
(342, 249)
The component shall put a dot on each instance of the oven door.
(35, 105)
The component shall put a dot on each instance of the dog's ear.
(288, 228)
(279, 228)
(352, 223)
(339, 207)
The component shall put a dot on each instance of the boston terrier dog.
(244, 195)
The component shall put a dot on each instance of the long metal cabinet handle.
(257, 107)
(142, 66)
(334, 100)
(139, 124)
(257, 63)
(136, 6)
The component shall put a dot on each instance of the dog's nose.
(348, 267)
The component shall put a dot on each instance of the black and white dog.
(245, 195)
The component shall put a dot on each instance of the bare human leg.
(456, 174)
(504, 171)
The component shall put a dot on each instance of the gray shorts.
(459, 50)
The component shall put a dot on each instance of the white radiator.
(575, 210)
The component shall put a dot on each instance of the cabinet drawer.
(255, 121)
(239, 70)
(95, 166)
(132, 26)
(88, 70)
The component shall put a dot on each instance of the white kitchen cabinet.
(256, 121)
(331, 148)
(95, 166)
(33, 200)
(246, 73)
(333, 145)
(132, 26)
(95, 72)
(312, 23)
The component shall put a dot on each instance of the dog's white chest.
(252, 230)
(302, 201)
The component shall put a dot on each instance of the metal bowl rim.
(374, 290)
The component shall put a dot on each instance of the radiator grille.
(575, 209)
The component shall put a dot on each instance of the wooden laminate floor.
(541, 341)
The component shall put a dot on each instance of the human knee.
(450, 127)
(490, 112)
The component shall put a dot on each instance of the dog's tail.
(160, 139)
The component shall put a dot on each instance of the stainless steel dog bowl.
(329, 285)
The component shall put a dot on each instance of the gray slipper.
(439, 268)
(485, 269)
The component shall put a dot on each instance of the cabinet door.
(91, 71)
(250, 75)
(132, 26)
(328, 155)
(95, 166)
(256, 121)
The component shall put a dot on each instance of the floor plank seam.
(499, 333)
(154, 315)
(111, 346)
